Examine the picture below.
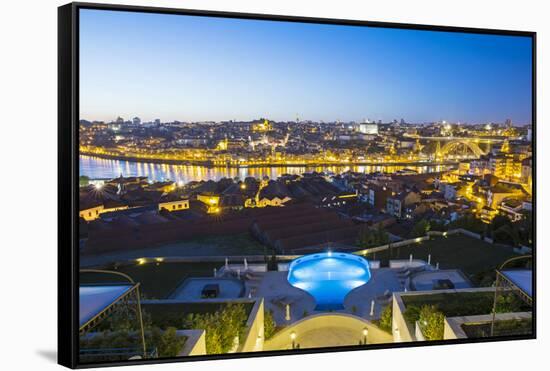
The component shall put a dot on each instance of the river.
(101, 168)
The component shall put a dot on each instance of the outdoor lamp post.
(365, 334)
(293, 338)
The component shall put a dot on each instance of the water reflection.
(100, 168)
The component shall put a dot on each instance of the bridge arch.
(454, 144)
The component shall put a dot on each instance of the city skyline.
(132, 63)
(131, 118)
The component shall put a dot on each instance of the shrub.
(221, 327)
(412, 313)
(269, 324)
(507, 303)
(431, 322)
(386, 318)
(168, 343)
(420, 229)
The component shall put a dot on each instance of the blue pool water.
(329, 277)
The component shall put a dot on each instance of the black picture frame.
(68, 173)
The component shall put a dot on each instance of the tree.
(168, 343)
(272, 263)
(525, 226)
(420, 229)
(369, 237)
(221, 327)
(365, 238)
(503, 230)
(439, 226)
(269, 324)
(432, 322)
(382, 237)
(508, 234)
(386, 318)
(83, 180)
(468, 222)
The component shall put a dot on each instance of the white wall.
(254, 337)
(28, 72)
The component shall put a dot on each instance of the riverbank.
(210, 164)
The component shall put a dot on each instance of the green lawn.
(157, 280)
(229, 245)
(476, 258)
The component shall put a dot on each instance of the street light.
(293, 338)
(365, 334)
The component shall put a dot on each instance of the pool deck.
(382, 280)
(191, 288)
(424, 281)
(276, 290)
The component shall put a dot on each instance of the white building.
(368, 128)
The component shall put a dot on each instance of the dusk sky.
(187, 68)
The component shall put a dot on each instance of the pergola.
(99, 300)
(518, 281)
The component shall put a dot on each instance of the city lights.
(358, 196)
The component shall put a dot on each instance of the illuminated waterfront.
(100, 168)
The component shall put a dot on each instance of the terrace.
(476, 258)
(293, 309)
(456, 307)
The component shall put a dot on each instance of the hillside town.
(476, 190)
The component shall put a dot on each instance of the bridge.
(454, 145)
(466, 139)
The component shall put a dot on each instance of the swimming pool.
(329, 277)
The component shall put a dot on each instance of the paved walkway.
(327, 330)
(358, 301)
(274, 287)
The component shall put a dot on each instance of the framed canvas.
(241, 185)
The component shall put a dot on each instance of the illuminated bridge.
(463, 147)
(466, 139)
